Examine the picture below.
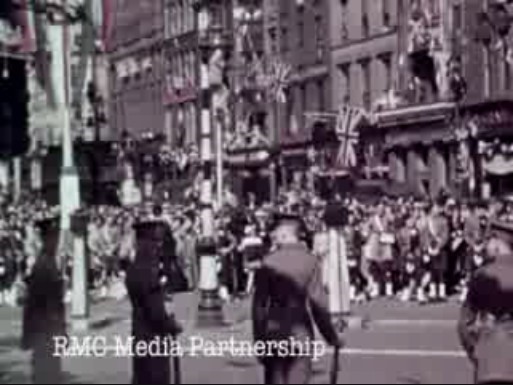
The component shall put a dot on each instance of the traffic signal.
(14, 137)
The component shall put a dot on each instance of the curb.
(409, 323)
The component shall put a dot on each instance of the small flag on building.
(279, 80)
(346, 129)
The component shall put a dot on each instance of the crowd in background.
(407, 248)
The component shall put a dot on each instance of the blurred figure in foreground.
(44, 315)
(286, 286)
(486, 321)
(150, 320)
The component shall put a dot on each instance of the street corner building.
(448, 126)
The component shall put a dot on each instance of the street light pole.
(210, 312)
(69, 179)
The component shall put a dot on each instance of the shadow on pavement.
(409, 380)
(106, 322)
(8, 343)
(241, 362)
(20, 373)
(14, 373)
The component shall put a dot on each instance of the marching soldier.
(486, 321)
(436, 241)
(289, 282)
(150, 320)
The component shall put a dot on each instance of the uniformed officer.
(286, 286)
(486, 320)
(150, 321)
(44, 315)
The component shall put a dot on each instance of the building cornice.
(145, 43)
(414, 114)
(367, 40)
(309, 73)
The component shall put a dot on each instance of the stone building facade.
(454, 81)
(137, 68)
(304, 43)
(364, 51)
(180, 61)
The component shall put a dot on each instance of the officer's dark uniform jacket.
(486, 322)
(289, 297)
(44, 313)
(150, 320)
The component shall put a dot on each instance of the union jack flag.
(346, 129)
(279, 77)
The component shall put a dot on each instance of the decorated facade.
(440, 137)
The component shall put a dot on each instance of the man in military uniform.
(44, 315)
(486, 321)
(150, 321)
(290, 282)
(436, 237)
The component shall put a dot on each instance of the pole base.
(210, 310)
(79, 324)
(347, 320)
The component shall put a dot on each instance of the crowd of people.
(411, 249)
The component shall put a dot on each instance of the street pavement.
(397, 343)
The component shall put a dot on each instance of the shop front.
(461, 149)
(250, 173)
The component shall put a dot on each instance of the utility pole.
(210, 312)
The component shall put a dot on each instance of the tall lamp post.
(60, 45)
(211, 42)
(59, 20)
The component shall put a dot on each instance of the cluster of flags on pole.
(272, 74)
(279, 79)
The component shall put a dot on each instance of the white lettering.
(319, 350)
(196, 344)
(79, 347)
(154, 348)
(60, 346)
(141, 349)
(124, 346)
(283, 349)
(259, 348)
(99, 347)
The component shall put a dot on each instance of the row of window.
(179, 17)
(430, 7)
(309, 96)
(181, 123)
(300, 34)
(181, 67)
(366, 78)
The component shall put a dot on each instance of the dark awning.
(259, 158)
(410, 137)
